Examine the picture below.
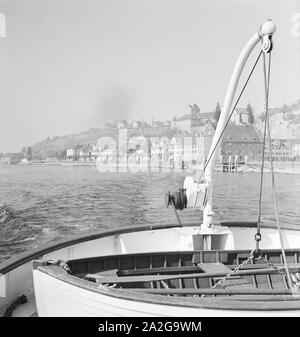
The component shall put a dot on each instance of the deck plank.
(232, 283)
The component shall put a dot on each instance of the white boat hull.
(76, 301)
(16, 276)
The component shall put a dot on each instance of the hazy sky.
(69, 65)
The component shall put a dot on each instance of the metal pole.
(266, 29)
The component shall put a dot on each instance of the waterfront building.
(159, 152)
(122, 124)
(79, 152)
(104, 151)
(5, 160)
(241, 140)
(295, 148)
(139, 125)
(187, 122)
(184, 123)
(188, 150)
(241, 116)
(84, 154)
(281, 150)
(70, 154)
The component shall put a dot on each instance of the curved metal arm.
(265, 34)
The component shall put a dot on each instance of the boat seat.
(233, 282)
(216, 267)
(104, 273)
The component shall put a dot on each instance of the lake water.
(43, 203)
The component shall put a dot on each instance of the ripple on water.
(43, 204)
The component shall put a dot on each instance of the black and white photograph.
(150, 161)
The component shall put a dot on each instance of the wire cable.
(267, 82)
(231, 113)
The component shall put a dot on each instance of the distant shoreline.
(279, 167)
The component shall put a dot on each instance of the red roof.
(241, 133)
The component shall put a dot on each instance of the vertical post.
(221, 163)
(236, 163)
(246, 164)
(229, 163)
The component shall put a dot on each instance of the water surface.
(43, 203)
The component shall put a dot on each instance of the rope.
(175, 212)
(258, 235)
(252, 257)
(231, 113)
(18, 301)
(267, 81)
(61, 263)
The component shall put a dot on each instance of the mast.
(265, 35)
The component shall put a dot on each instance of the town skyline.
(188, 135)
(162, 128)
(134, 59)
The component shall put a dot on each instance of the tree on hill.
(195, 110)
(61, 154)
(217, 112)
(29, 153)
(250, 114)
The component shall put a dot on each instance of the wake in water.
(16, 231)
(5, 214)
(48, 203)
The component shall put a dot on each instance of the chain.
(164, 283)
(251, 258)
(223, 279)
(294, 280)
(283, 273)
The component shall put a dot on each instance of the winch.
(177, 199)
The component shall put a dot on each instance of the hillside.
(284, 121)
(56, 146)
